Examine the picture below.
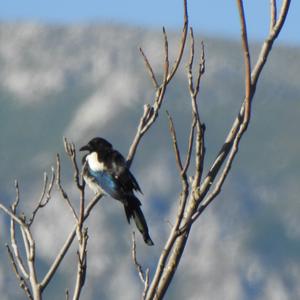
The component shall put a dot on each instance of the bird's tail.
(132, 209)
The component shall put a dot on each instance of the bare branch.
(15, 248)
(175, 144)
(17, 200)
(150, 114)
(45, 192)
(190, 146)
(201, 69)
(166, 47)
(247, 64)
(241, 123)
(273, 9)
(21, 280)
(143, 276)
(68, 243)
(14, 244)
(61, 189)
(82, 262)
(12, 215)
(149, 69)
(194, 91)
(174, 247)
(71, 152)
(182, 43)
(265, 50)
(267, 45)
(82, 236)
(29, 248)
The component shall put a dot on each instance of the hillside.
(80, 81)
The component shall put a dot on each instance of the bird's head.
(96, 144)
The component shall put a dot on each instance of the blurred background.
(73, 69)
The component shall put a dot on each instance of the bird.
(105, 170)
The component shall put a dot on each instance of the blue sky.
(209, 16)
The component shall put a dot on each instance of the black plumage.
(106, 169)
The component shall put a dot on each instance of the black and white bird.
(105, 170)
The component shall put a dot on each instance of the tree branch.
(21, 280)
(61, 254)
(151, 113)
(144, 276)
(45, 192)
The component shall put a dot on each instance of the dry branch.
(144, 275)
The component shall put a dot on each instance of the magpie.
(105, 170)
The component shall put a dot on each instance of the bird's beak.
(85, 148)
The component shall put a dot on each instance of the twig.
(12, 215)
(182, 42)
(273, 13)
(175, 144)
(45, 192)
(82, 236)
(14, 243)
(149, 69)
(247, 63)
(190, 145)
(151, 113)
(144, 276)
(15, 248)
(268, 43)
(71, 152)
(82, 261)
(29, 245)
(61, 189)
(194, 91)
(22, 281)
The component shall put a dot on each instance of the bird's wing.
(122, 174)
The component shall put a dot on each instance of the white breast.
(94, 163)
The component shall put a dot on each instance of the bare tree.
(196, 194)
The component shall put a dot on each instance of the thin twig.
(151, 114)
(175, 144)
(273, 13)
(14, 243)
(182, 42)
(149, 69)
(138, 266)
(61, 189)
(194, 91)
(22, 281)
(166, 48)
(247, 64)
(268, 43)
(82, 262)
(45, 192)
(15, 248)
(190, 145)
(71, 152)
(12, 215)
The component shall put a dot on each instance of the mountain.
(81, 81)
